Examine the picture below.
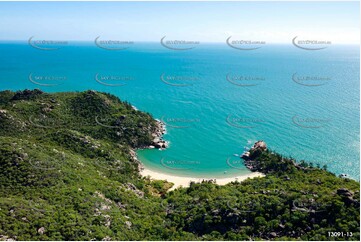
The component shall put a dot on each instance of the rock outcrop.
(255, 150)
(131, 187)
(27, 94)
(347, 196)
(251, 155)
(157, 135)
(41, 230)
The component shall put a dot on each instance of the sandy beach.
(184, 181)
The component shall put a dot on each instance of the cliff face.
(67, 172)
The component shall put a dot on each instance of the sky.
(273, 22)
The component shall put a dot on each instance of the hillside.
(67, 172)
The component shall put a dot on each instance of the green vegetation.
(67, 173)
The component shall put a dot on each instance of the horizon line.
(159, 41)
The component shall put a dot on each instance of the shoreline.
(180, 181)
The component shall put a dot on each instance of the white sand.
(184, 181)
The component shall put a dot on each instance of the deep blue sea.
(216, 101)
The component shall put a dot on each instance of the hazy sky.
(274, 22)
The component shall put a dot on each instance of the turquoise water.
(210, 118)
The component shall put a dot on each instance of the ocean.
(216, 101)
